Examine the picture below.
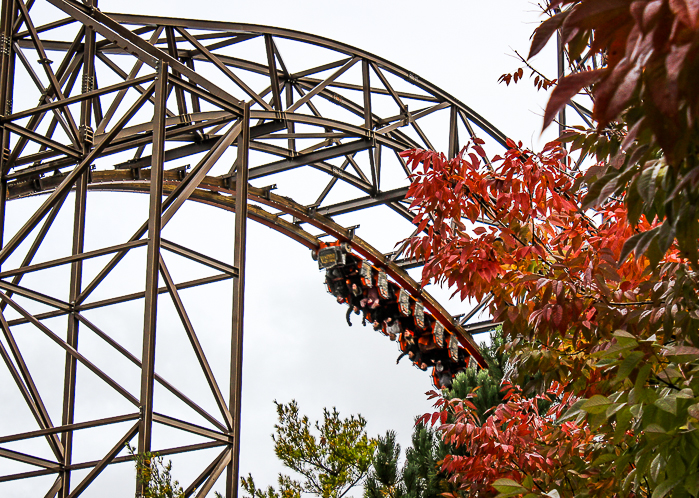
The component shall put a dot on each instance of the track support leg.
(241, 211)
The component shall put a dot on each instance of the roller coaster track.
(127, 103)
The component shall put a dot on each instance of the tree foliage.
(385, 480)
(422, 476)
(613, 335)
(486, 381)
(592, 270)
(515, 442)
(154, 476)
(646, 108)
(331, 461)
(288, 488)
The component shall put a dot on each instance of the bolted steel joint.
(87, 134)
(88, 83)
(5, 44)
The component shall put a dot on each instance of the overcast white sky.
(297, 344)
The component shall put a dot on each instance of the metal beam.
(222, 465)
(320, 86)
(77, 98)
(68, 182)
(48, 222)
(152, 262)
(61, 343)
(196, 483)
(132, 44)
(199, 258)
(192, 428)
(221, 66)
(25, 383)
(72, 427)
(196, 345)
(121, 459)
(102, 464)
(364, 202)
(310, 158)
(273, 75)
(118, 347)
(29, 459)
(129, 79)
(76, 270)
(79, 256)
(236, 386)
(65, 158)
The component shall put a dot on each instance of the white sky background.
(297, 344)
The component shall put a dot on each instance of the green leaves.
(288, 488)
(508, 487)
(596, 404)
(332, 459)
(668, 404)
(693, 411)
(638, 244)
(628, 365)
(617, 336)
(574, 410)
(682, 354)
(665, 487)
(154, 475)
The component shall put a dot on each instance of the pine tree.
(487, 381)
(421, 475)
(385, 479)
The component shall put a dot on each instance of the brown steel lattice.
(125, 101)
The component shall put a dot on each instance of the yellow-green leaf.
(682, 354)
(627, 366)
(665, 487)
(693, 411)
(668, 404)
(596, 404)
(508, 487)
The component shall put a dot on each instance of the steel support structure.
(153, 262)
(119, 102)
(241, 219)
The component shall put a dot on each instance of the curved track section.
(218, 193)
(300, 133)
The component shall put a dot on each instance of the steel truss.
(126, 101)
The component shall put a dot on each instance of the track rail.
(221, 194)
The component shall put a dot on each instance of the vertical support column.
(86, 132)
(369, 125)
(9, 14)
(196, 107)
(453, 134)
(241, 219)
(153, 261)
(9, 10)
(179, 93)
(290, 124)
(70, 378)
(273, 76)
(366, 84)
